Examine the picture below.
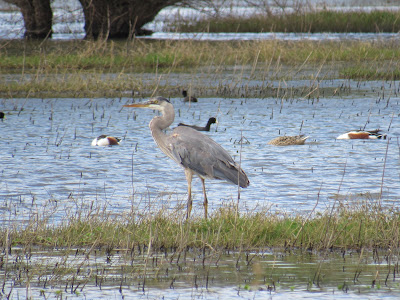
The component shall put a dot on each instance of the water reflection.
(47, 154)
(207, 273)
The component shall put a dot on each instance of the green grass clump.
(94, 55)
(368, 73)
(297, 22)
(364, 227)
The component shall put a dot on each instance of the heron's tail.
(242, 179)
(232, 173)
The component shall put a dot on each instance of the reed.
(371, 73)
(179, 56)
(299, 22)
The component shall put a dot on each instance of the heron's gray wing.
(204, 156)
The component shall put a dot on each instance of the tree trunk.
(120, 19)
(38, 17)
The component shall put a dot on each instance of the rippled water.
(47, 161)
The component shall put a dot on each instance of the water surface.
(193, 274)
(48, 162)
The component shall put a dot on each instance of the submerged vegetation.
(342, 249)
(159, 251)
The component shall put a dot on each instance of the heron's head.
(158, 103)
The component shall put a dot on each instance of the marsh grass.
(364, 226)
(118, 69)
(370, 73)
(305, 22)
(71, 271)
(155, 247)
(165, 55)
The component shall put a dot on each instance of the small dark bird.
(362, 134)
(188, 98)
(2, 115)
(105, 140)
(197, 153)
(199, 128)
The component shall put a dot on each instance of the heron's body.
(199, 128)
(187, 98)
(195, 152)
(105, 140)
(288, 140)
(361, 134)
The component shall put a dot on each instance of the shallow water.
(79, 273)
(48, 163)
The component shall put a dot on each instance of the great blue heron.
(362, 134)
(288, 140)
(195, 152)
(211, 120)
(187, 98)
(105, 140)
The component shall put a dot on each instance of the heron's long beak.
(137, 105)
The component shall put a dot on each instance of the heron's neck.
(158, 124)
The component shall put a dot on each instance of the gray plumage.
(288, 140)
(195, 152)
(210, 121)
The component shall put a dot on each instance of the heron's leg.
(189, 175)
(205, 198)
